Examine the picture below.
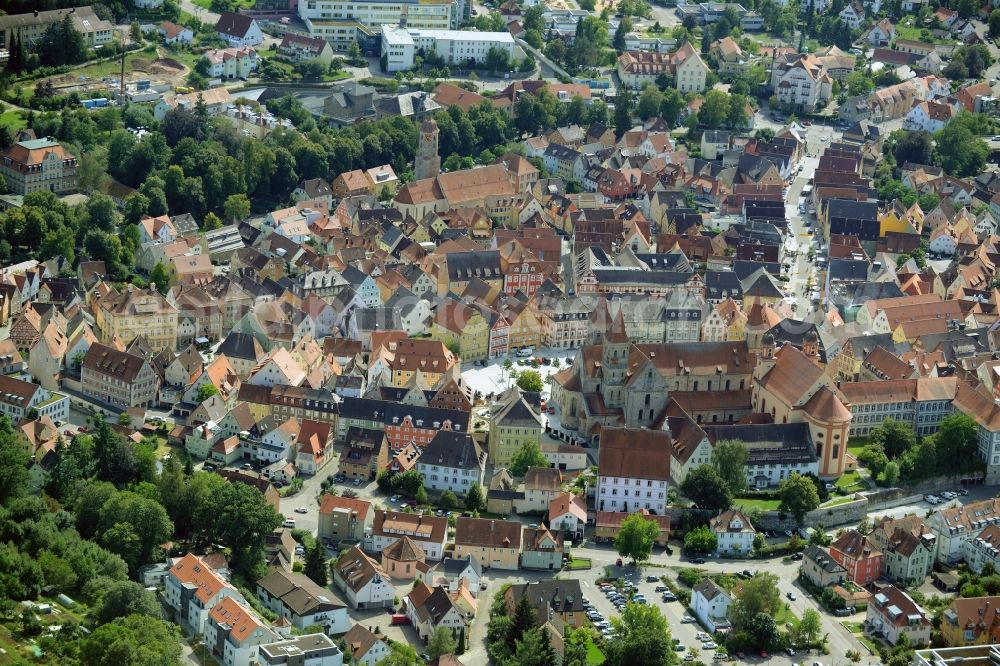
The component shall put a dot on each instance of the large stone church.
(614, 382)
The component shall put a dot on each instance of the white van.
(524, 352)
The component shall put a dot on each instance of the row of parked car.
(945, 496)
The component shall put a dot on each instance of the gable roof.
(234, 24)
(192, 572)
(487, 532)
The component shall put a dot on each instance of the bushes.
(689, 577)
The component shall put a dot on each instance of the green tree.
(575, 646)
(237, 207)
(524, 619)
(798, 496)
(401, 655)
(530, 381)
(763, 631)
(701, 540)
(890, 475)
(643, 637)
(636, 536)
(14, 460)
(442, 641)
(956, 440)
(211, 222)
(915, 147)
(123, 598)
(714, 110)
(529, 454)
(315, 565)
(205, 391)
(707, 489)
(534, 649)
(959, 151)
(650, 101)
(243, 519)
(995, 23)
(160, 276)
(671, 106)
(623, 111)
(447, 500)
(729, 458)
(474, 499)
(136, 639)
(753, 597)
(894, 437)
(809, 630)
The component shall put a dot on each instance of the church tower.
(428, 162)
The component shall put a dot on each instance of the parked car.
(399, 619)
(932, 499)
(660, 588)
(652, 579)
(301, 509)
(791, 596)
(699, 560)
(843, 612)
(963, 491)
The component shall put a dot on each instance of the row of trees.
(82, 539)
(642, 636)
(714, 486)
(894, 455)
(411, 484)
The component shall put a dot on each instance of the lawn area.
(851, 482)
(578, 564)
(856, 444)
(594, 655)
(868, 643)
(755, 503)
(113, 67)
(786, 617)
(914, 34)
(853, 627)
(13, 120)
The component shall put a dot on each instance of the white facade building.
(710, 604)
(231, 63)
(615, 493)
(400, 45)
(733, 532)
(341, 22)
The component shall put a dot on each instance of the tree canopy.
(636, 536)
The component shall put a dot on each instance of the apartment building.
(341, 22)
(803, 83)
(118, 378)
(310, 650)
(428, 532)
(637, 68)
(513, 423)
(30, 26)
(401, 44)
(452, 461)
(892, 612)
(633, 471)
(38, 165)
(971, 621)
(135, 312)
(494, 543)
(231, 63)
(920, 403)
(18, 397)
